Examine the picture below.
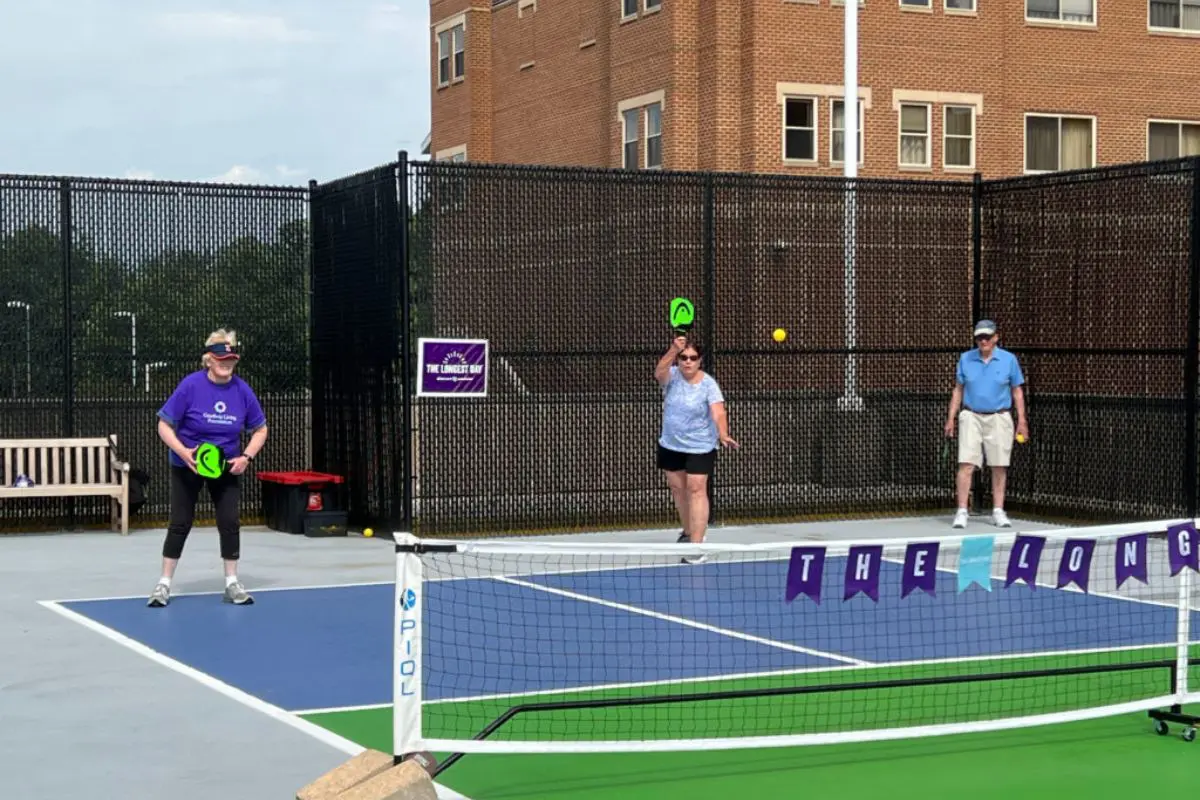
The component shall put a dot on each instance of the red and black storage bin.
(303, 502)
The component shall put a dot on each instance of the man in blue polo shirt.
(988, 386)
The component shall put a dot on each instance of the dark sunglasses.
(689, 358)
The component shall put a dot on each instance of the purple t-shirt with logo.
(202, 411)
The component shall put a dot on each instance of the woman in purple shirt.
(209, 405)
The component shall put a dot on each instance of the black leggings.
(185, 491)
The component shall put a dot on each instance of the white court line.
(876, 666)
(275, 712)
(645, 612)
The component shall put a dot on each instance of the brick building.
(947, 87)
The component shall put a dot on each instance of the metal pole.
(850, 399)
(133, 346)
(28, 347)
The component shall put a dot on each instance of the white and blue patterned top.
(688, 425)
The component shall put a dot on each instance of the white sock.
(230, 580)
(165, 581)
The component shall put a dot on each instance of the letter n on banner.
(1131, 558)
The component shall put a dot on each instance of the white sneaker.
(960, 518)
(1000, 519)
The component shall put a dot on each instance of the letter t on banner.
(804, 573)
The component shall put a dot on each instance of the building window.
(917, 3)
(1179, 15)
(837, 125)
(452, 63)
(914, 135)
(653, 5)
(799, 129)
(629, 8)
(641, 121)
(1173, 140)
(629, 156)
(958, 131)
(654, 136)
(1055, 143)
(1061, 10)
(960, 5)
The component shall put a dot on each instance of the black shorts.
(692, 463)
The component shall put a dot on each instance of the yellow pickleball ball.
(1020, 438)
(368, 533)
(779, 335)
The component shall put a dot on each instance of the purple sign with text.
(452, 367)
(804, 573)
(862, 571)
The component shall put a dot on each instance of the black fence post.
(977, 247)
(977, 482)
(65, 234)
(406, 344)
(1191, 371)
(316, 441)
(710, 301)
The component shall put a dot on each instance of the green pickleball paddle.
(210, 461)
(683, 314)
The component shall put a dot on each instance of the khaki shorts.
(985, 434)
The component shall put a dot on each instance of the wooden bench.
(85, 467)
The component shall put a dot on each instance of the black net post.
(1192, 364)
(407, 344)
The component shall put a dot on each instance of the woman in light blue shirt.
(694, 424)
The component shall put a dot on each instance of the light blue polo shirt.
(988, 387)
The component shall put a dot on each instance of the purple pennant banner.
(920, 569)
(1181, 547)
(862, 571)
(804, 573)
(1076, 563)
(1024, 559)
(1131, 558)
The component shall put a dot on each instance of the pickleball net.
(507, 646)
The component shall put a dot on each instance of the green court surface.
(1109, 757)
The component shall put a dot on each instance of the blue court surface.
(306, 649)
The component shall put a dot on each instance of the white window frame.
(920, 4)
(1177, 29)
(625, 5)
(1178, 123)
(816, 129)
(448, 54)
(862, 136)
(647, 136)
(946, 136)
(651, 5)
(1060, 117)
(900, 134)
(1060, 21)
(636, 114)
(972, 10)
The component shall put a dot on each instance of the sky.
(212, 90)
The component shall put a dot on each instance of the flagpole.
(850, 399)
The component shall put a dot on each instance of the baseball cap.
(985, 327)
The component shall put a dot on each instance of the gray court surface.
(84, 715)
